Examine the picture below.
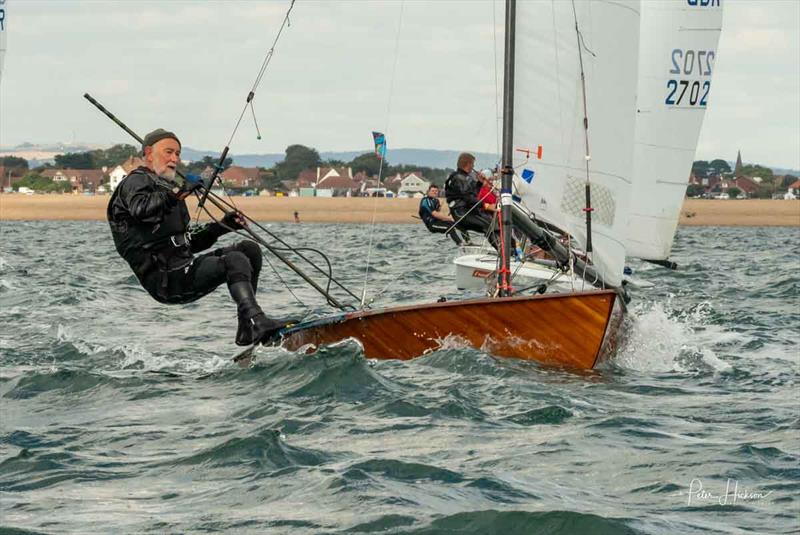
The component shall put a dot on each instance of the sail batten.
(549, 111)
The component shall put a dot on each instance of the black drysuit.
(461, 192)
(427, 206)
(150, 226)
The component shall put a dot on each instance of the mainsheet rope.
(286, 247)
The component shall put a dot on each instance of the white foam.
(659, 341)
(134, 356)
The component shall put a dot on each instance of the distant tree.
(298, 158)
(37, 182)
(763, 191)
(700, 168)
(757, 170)
(431, 174)
(197, 167)
(76, 160)
(719, 166)
(734, 192)
(788, 180)
(333, 163)
(269, 179)
(14, 163)
(115, 155)
(95, 159)
(368, 162)
(695, 190)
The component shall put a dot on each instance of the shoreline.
(695, 212)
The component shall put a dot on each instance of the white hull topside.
(472, 271)
(474, 267)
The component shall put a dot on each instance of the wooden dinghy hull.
(573, 330)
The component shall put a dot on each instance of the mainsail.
(677, 49)
(549, 111)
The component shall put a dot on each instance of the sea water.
(122, 415)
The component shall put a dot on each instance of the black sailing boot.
(254, 325)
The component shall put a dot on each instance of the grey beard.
(168, 173)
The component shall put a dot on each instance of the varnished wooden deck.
(559, 329)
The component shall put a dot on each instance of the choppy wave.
(123, 415)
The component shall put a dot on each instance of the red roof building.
(241, 177)
(307, 178)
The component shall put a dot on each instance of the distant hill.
(782, 171)
(423, 157)
(38, 154)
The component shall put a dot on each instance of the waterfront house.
(327, 182)
(81, 180)
(122, 170)
(719, 187)
(793, 191)
(335, 186)
(241, 177)
(413, 185)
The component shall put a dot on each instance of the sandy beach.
(696, 212)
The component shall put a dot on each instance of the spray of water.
(663, 339)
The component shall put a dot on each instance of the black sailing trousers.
(437, 226)
(236, 263)
(478, 222)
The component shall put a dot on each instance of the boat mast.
(508, 141)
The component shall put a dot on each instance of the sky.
(423, 72)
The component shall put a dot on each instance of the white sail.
(3, 33)
(548, 111)
(677, 49)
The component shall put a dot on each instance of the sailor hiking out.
(149, 221)
(461, 191)
(430, 211)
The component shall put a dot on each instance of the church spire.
(737, 171)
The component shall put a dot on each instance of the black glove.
(231, 220)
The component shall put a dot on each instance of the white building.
(122, 170)
(793, 191)
(413, 185)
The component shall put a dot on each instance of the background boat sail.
(573, 329)
(678, 46)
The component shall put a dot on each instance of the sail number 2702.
(690, 63)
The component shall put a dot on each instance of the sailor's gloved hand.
(234, 220)
(192, 184)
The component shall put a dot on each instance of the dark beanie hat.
(157, 135)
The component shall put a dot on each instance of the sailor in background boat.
(461, 191)
(486, 193)
(150, 224)
(430, 211)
